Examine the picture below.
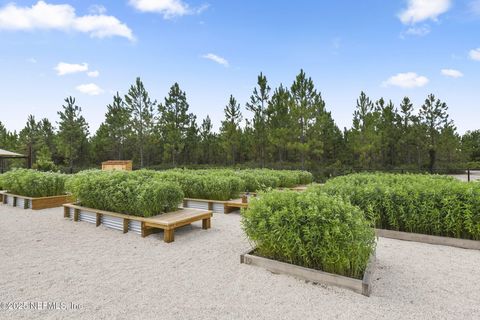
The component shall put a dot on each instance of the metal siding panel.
(197, 205)
(218, 207)
(87, 216)
(112, 222)
(135, 226)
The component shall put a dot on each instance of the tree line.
(286, 127)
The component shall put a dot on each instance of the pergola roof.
(8, 154)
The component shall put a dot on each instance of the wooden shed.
(117, 165)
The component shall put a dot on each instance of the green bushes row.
(427, 204)
(33, 183)
(139, 193)
(225, 184)
(310, 229)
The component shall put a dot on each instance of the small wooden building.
(117, 165)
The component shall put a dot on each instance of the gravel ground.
(109, 275)
(474, 176)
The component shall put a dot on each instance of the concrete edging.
(425, 238)
(363, 286)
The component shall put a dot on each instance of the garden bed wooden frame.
(38, 203)
(363, 286)
(168, 222)
(216, 206)
(424, 238)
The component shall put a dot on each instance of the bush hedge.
(139, 193)
(33, 183)
(427, 204)
(310, 229)
(225, 184)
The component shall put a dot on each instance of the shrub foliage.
(427, 204)
(33, 183)
(310, 229)
(140, 193)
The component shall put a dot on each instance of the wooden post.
(210, 206)
(185, 203)
(14, 201)
(76, 212)
(206, 224)
(144, 230)
(125, 226)
(168, 235)
(468, 173)
(99, 219)
(66, 212)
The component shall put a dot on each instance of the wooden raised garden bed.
(34, 203)
(216, 206)
(424, 238)
(363, 286)
(167, 222)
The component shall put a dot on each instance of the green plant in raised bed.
(33, 183)
(310, 229)
(140, 193)
(427, 204)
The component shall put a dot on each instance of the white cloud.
(421, 10)
(61, 17)
(97, 9)
(168, 8)
(452, 73)
(418, 31)
(90, 88)
(32, 60)
(64, 68)
(475, 54)
(406, 80)
(217, 59)
(93, 74)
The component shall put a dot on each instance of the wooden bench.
(168, 222)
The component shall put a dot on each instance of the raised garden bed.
(34, 203)
(216, 206)
(167, 222)
(424, 238)
(363, 286)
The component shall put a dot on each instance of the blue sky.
(91, 49)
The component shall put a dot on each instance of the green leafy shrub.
(427, 204)
(310, 229)
(205, 184)
(33, 183)
(140, 193)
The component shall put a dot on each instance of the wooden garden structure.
(167, 222)
(126, 165)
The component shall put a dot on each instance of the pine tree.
(230, 129)
(207, 140)
(433, 115)
(141, 109)
(258, 105)
(174, 122)
(29, 137)
(303, 95)
(117, 121)
(280, 122)
(72, 131)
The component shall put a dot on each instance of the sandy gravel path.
(110, 275)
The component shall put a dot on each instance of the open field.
(123, 276)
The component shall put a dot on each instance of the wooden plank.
(424, 238)
(308, 274)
